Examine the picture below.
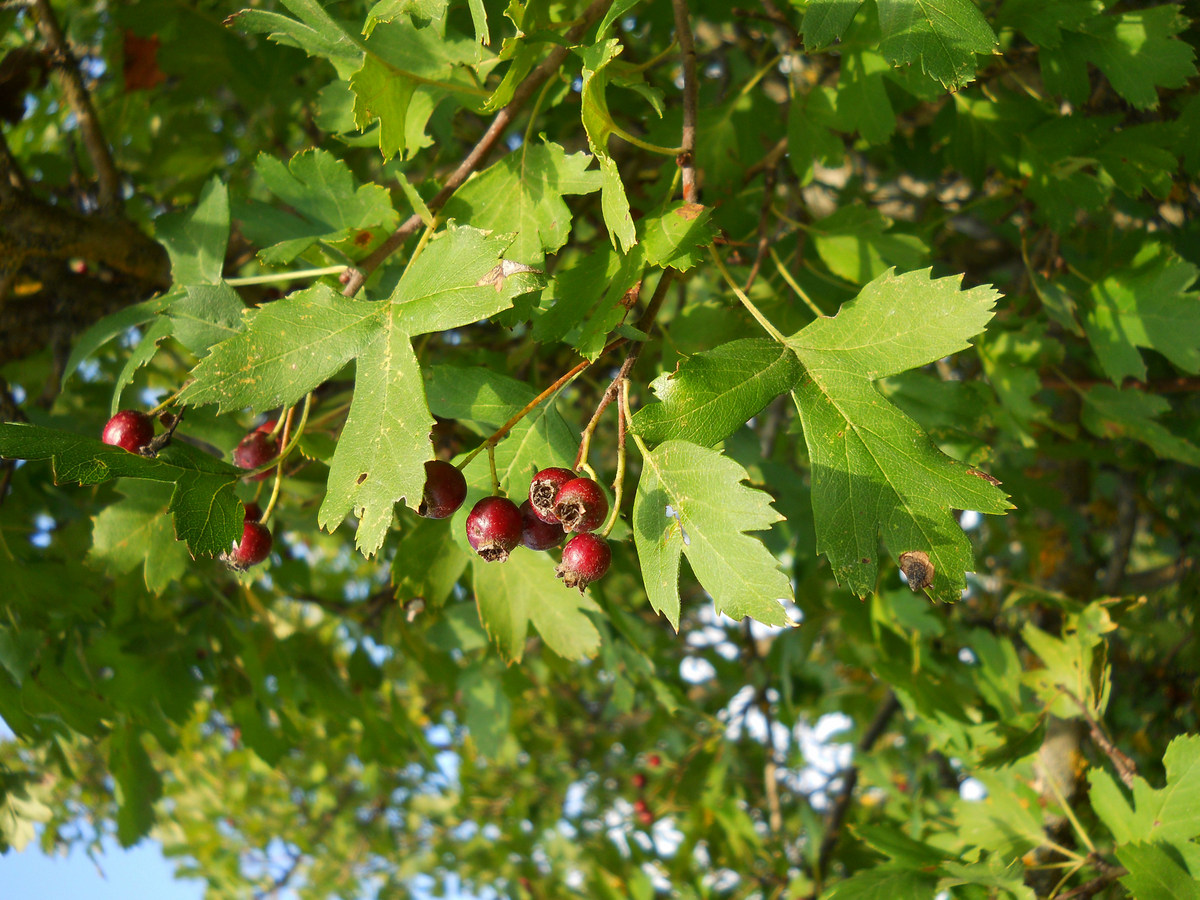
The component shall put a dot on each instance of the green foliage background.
(932, 246)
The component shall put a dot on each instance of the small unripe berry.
(580, 505)
(256, 449)
(536, 534)
(255, 545)
(585, 559)
(445, 490)
(494, 528)
(542, 490)
(129, 429)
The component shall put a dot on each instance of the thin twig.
(1096, 885)
(480, 151)
(1126, 767)
(687, 48)
(107, 181)
(837, 818)
(764, 220)
(610, 394)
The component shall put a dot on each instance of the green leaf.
(1156, 874)
(487, 707)
(419, 11)
(1110, 413)
(862, 99)
(1170, 814)
(856, 244)
(1138, 51)
(380, 93)
(678, 236)
(138, 784)
(589, 294)
(426, 565)
(380, 456)
(886, 883)
(523, 591)
(524, 193)
(690, 499)
(136, 533)
(288, 348)
(208, 516)
(145, 351)
(113, 326)
(598, 123)
(314, 31)
(320, 189)
(942, 35)
(873, 469)
(196, 239)
(207, 314)
(826, 20)
(712, 394)
(1146, 304)
(1044, 23)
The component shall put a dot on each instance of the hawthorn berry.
(580, 505)
(255, 545)
(536, 534)
(256, 449)
(129, 429)
(585, 559)
(542, 489)
(445, 490)
(642, 810)
(639, 780)
(494, 528)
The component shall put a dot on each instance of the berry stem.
(609, 396)
(746, 302)
(619, 480)
(285, 276)
(288, 446)
(492, 465)
(165, 403)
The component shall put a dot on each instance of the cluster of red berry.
(134, 431)
(559, 502)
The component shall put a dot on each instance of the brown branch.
(480, 151)
(108, 184)
(687, 48)
(837, 818)
(1160, 386)
(1126, 768)
(1096, 885)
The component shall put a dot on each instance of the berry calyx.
(585, 559)
(494, 528)
(536, 534)
(543, 488)
(129, 429)
(254, 450)
(580, 505)
(445, 490)
(255, 545)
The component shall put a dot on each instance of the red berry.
(542, 489)
(445, 490)
(646, 817)
(494, 528)
(580, 505)
(639, 780)
(536, 534)
(255, 545)
(256, 449)
(268, 426)
(129, 429)
(640, 806)
(654, 760)
(585, 559)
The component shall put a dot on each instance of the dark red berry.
(639, 780)
(255, 545)
(256, 449)
(445, 490)
(268, 426)
(536, 534)
(494, 528)
(580, 505)
(654, 760)
(585, 559)
(129, 429)
(542, 489)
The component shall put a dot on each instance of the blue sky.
(137, 874)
